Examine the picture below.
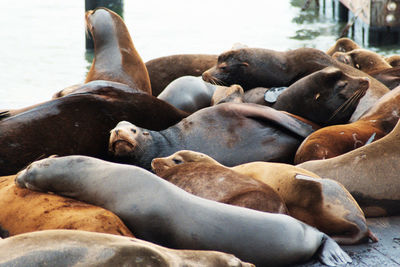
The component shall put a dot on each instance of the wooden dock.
(373, 22)
(386, 252)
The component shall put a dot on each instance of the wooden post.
(115, 5)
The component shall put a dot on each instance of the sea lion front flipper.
(330, 253)
(264, 113)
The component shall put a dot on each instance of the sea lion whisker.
(348, 103)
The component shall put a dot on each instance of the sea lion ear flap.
(333, 73)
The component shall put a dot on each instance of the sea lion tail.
(330, 253)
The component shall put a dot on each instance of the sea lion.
(370, 173)
(220, 184)
(257, 67)
(188, 93)
(164, 70)
(322, 203)
(394, 60)
(160, 212)
(332, 141)
(363, 59)
(25, 211)
(342, 45)
(325, 97)
(389, 77)
(77, 124)
(80, 248)
(231, 94)
(115, 57)
(257, 95)
(231, 133)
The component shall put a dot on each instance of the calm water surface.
(42, 41)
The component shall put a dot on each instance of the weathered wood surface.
(386, 252)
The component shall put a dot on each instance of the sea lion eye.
(177, 161)
(133, 130)
(146, 133)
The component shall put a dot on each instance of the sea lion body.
(162, 213)
(164, 70)
(231, 94)
(370, 174)
(256, 67)
(188, 93)
(77, 124)
(23, 211)
(232, 133)
(115, 57)
(335, 140)
(322, 203)
(223, 185)
(325, 97)
(80, 248)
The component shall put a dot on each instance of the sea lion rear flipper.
(330, 253)
(264, 113)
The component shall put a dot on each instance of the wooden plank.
(360, 8)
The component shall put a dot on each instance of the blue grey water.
(42, 41)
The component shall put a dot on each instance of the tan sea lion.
(322, 203)
(329, 142)
(162, 213)
(394, 60)
(224, 94)
(220, 184)
(23, 211)
(342, 45)
(370, 173)
(80, 248)
(115, 57)
(164, 70)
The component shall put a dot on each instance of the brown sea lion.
(220, 184)
(115, 57)
(325, 97)
(161, 212)
(81, 248)
(23, 211)
(342, 45)
(322, 203)
(257, 95)
(332, 141)
(164, 70)
(389, 77)
(257, 67)
(363, 59)
(231, 133)
(394, 60)
(370, 173)
(77, 124)
(188, 93)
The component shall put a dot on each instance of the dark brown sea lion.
(77, 124)
(325, 97)
(164, 70)
(389, 77)
(257, 67)
(23, 211)
(342, 45)
(220, 184)
(394, 60)
(81, 248)
(188, 93)
(322, 203)
(231, 133)
(336, 140)
(160, 212)
(115, 57)
(257, 95)
(370, 173)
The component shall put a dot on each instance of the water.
(42, 41)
